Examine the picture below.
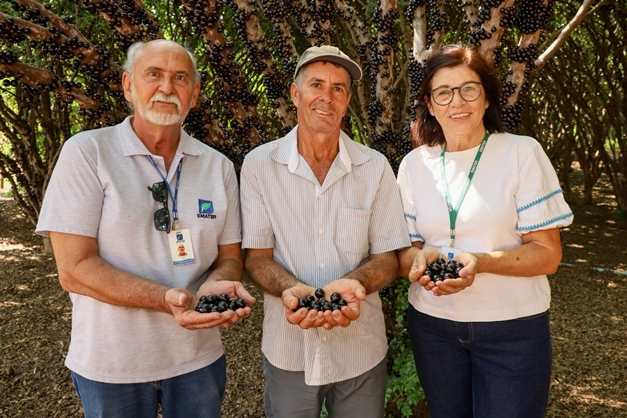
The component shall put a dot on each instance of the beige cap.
(330, 54)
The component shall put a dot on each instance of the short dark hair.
(426, 129)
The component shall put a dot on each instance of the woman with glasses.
(491, 201)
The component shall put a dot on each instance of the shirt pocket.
(351, 230)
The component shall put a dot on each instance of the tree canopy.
(60, 65)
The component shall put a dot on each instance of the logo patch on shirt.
(205, 206)
(205, 209)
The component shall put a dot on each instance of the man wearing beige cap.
(320, 211)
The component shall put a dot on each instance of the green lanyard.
(452, 213)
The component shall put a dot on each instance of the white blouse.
(514, 190)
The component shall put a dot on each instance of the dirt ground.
(588, 316)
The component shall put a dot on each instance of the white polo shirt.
(99, 189)
(319, 233)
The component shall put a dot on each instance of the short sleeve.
(256, 225)
(232, 232)
(407, 198)
(539, 199)
(387, 229)
(74, 196)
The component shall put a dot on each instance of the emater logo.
(205, 209)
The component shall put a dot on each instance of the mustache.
(161, 97)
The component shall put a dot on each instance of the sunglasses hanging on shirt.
(162, 216)
(160, 192)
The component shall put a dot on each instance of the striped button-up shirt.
(319, 233)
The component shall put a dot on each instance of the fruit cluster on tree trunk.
(61, 67)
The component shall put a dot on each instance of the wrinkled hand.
(302, 317)
(353, 293)
(466, 276)
(182, 304)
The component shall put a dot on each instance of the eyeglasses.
(162, 216)
(469, 91)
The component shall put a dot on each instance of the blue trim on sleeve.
(545, 223)
(417, 236)
(537, 201)
(410, 216)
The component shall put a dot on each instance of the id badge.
(450, 252)
(181, 247)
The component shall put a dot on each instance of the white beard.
(153, 116)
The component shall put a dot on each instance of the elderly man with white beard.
(120, 203)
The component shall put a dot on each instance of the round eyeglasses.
(469, 91)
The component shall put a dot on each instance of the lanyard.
(175, 213)
(452, 212)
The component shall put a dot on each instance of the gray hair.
(298, 80)
(131, 55)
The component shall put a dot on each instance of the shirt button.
(320, 231)
(321, 265)
(321, 196)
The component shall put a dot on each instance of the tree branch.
(565, 33)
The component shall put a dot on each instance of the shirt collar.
(294, 156)
(132, 145)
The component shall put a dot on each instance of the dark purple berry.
(336, 302)
(221, 303)
(442, 270)
(203, 308)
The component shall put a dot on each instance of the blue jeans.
(498, 369)
(195, 394)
